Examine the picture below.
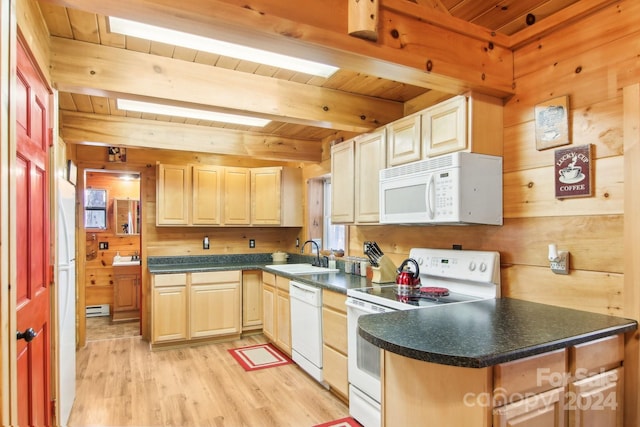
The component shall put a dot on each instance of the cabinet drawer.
(282, 283)
(594, 356)
(545, 409)
(530, 375)
(178, 279)
(209, 277)
(334, 370)
(334, 329)
(269, 278)
(334, 300)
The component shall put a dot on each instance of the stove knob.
(472, 266)
(483, 267)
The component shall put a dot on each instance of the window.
(334, 235)
(95, 209)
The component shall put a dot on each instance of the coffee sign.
(573, 172)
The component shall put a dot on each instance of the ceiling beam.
(409, 50)
(99, 129)
(89, 68)
(563, 17)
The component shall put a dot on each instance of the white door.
(66, 297)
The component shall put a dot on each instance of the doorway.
(111, 216)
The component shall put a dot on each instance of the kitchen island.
(499, 362)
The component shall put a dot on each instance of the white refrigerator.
(66, 297)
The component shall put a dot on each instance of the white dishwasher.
(306, 328)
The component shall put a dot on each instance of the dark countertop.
(338, 282)
(485, 333)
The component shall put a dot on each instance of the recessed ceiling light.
(178, 38)
(192, 113)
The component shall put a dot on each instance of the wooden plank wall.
(586, 61)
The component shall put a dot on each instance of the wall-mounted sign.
(117, 154)
(573, 172)
(552, 123)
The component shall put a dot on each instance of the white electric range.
(446, 277)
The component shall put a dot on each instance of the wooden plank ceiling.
(88, 33)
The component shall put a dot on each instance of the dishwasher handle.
(305, 293)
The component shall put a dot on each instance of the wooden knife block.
(385, 272)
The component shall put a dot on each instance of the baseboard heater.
(97, 310)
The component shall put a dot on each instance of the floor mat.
(259, 356)
(343, 422)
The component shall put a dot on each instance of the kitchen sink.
(124, 262)
(299, 269)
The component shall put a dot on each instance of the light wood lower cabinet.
(596, 392)
(269, 309)
(544, 409)
(580, 386)
(276, 311)
(334, 342)
(189, 306)
(215, 306)
(169, 308)
(251, 300)
(126, 293)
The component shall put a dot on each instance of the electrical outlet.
(252, 243)
(205, 243)
(103, 245)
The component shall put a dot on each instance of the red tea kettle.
(406, 280)
(406, 276)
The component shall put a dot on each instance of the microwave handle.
(431, 197)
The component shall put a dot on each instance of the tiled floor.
(101, 328)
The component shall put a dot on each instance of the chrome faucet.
(318, 262)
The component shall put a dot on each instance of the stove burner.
(433, 291)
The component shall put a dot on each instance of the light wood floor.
(121, 382)
(101, 328)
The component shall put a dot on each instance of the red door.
(32, 244)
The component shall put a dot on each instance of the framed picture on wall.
(72, 172)
(552, 123)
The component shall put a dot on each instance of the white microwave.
(456, 188)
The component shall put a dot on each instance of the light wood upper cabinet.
(404, 140)
(355, 167)
(472, 122)
(188, 195)
(343, 182)
(276, 196)
(237, 196)
(206, 195)
(445, 127)
(370, 158)
(203, 195)
(173, 194)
